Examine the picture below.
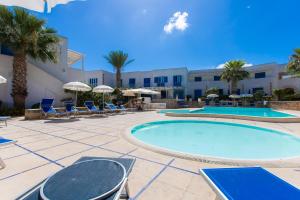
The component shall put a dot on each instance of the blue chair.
(4, 142)
(112, 108)
(71, 109)
(92, 108)
(47, 108)
(248, 183)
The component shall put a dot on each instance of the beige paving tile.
(63, 150)
(80, 135)
(152, 156)
(162, 191)
(120, 146)
(11, 151)
(19, 164)
(15, 186)
(44, 144)
(98, 140)
(90, 153)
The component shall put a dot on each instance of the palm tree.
(233, 73)
(293, 66)
(26, 36)
(118, 59)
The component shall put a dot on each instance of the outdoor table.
(88, 178)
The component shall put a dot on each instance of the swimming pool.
(218, 139)
(252, 112)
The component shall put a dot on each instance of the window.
(147, 82)
(132, 82)
(254, 90)
(197, 94)
(160, 80)
(177, 79)
(260, 75)
(198, 79)
(93, 82)
(238, 91)
(217, 78)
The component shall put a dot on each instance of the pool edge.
(284, 162)
(228, 116)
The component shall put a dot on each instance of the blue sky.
(208, 32)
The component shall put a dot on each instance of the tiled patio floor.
(45, 146)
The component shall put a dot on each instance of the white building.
(47, 79)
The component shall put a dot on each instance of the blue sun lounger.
(4, 142)
(249, 183)
(92, 108)
(47, 108)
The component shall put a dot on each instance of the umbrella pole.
(76, 99)
(103, 101)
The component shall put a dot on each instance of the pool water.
(218, 139)
(253, 112)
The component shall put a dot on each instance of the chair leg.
(2, 164)
(125, 195)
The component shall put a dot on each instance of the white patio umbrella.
(78, 87)
(36, 5)
(246, 95)
(144, 91)
(103, 89)
(234, 96)
(2, 79)
(212, 96)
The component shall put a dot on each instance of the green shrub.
(5, 111)
(258, 95)
(283, 94)
(35, 106)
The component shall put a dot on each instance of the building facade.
(47, 79)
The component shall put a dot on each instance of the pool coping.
(285, 162)
(242, 117)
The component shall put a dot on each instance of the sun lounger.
(112, 108)
(4, 142)
(248, 183)
(4, 119)
(123, 108)
(71, 109)
(121, 192)
(47, 108)
(92, 108)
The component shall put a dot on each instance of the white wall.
(39, 84)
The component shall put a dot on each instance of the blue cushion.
(251, 183)
(5, 141)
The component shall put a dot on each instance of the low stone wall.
(285, 105)
(33, 114)
(172, 103)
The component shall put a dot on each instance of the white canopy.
(2, 79)
(128, 93)
(212, 96)
(103, 89)
(234, 96)
(36, 5)
(77, 86)
(246, 95)
(144, 91)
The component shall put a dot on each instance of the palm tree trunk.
(233, 87)
(118, 78)
(19, 82)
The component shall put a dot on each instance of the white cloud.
(177, 22)
(221, 66)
